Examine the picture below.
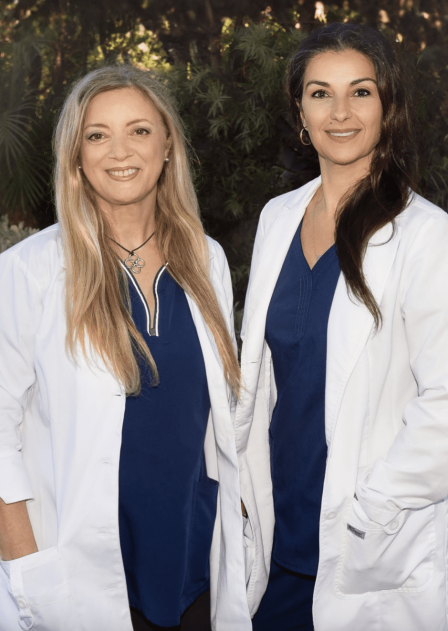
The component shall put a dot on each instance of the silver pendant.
(134, 263)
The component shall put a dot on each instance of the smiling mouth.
(122, 172)
(343, 134)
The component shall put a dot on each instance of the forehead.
(339, 67)
(122, 103)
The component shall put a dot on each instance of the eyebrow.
(97, 125)
(138, 120)
(327, 85)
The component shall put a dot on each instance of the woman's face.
(341, 107)
(124, 146)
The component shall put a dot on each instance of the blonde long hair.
(97, 300)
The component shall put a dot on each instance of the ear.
(169, 144)
(302, 115)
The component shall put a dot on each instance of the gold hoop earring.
(301, 137)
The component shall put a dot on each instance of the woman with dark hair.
(342, 428)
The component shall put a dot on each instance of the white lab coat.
(383, 559)
(60, 438)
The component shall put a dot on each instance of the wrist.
(17, 552)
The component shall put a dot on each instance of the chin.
(346, 161)
(346, 158)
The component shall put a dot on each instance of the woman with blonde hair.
(117, 376)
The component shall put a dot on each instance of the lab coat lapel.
(206, 339)
(274, 250)
(350, 323)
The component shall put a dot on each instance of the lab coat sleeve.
(20, 314)
(414, 472)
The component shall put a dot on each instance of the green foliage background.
(225, 62)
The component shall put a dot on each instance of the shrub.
(10, 235)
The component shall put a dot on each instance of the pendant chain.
(134, 262)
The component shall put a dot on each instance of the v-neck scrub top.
(167, 504)
(296, 332)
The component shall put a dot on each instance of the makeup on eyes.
(366, 90)
(147, 132)
(95, 133)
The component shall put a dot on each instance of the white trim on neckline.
(154, 332)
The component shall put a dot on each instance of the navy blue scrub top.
(296, 332)
(167, 504)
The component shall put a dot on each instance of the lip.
(344, 135)
(114, 173)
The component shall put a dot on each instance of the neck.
(130, 224)
(337, 180)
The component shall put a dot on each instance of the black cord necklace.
(134, 262)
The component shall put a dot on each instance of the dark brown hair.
(385, 192)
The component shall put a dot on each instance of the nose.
(120, 148)
(341, 109)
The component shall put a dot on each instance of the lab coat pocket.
(39, 586)
(397, 557)
(249, 547)
(201, 533)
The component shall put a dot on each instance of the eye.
(95, 136)
(141, 131)
(319, 94)
(362, 92)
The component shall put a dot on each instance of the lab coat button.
(331, 515)
(21, 603)
(393, 525)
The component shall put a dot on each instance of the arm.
(19, 318)
(16, 535)
(222, 271)
(227, 284)
(414, 472)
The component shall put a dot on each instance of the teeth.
(347, 133)
(123, 173)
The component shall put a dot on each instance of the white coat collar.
(280, 234)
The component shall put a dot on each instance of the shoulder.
(423, 220)
(287, 201)
(216, 253)
(220, 275)
(37, 245)
(37, 255)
